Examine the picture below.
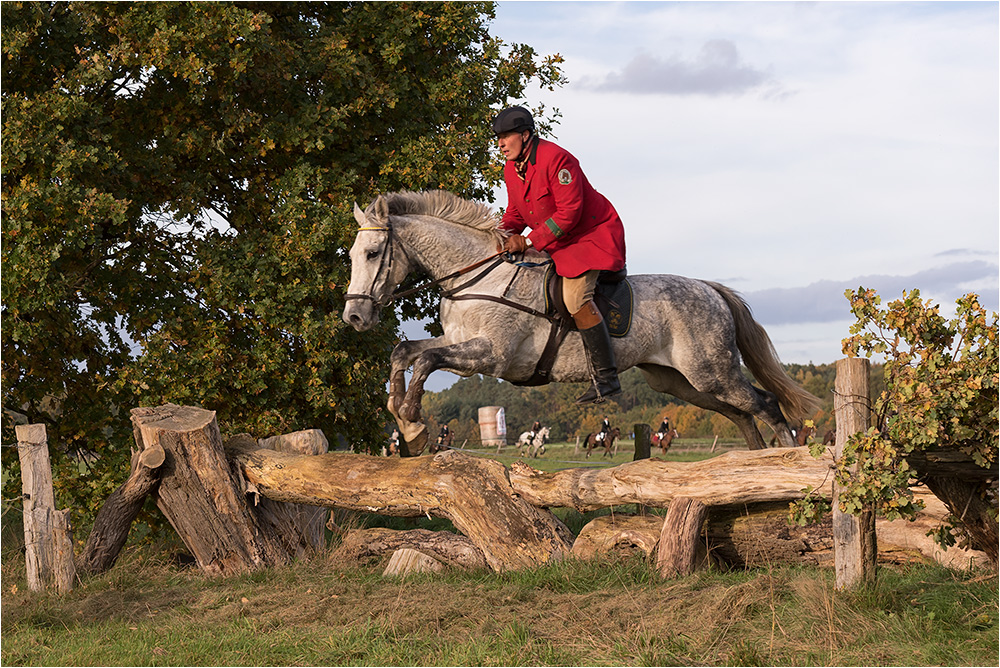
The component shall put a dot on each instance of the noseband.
(385, 261)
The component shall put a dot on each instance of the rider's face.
(512, 143)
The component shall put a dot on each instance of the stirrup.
(597, 395)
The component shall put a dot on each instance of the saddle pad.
(613, 300)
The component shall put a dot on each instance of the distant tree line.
(553, 405)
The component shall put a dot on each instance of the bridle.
(386, 262)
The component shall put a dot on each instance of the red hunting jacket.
(569, 220)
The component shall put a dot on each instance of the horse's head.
(377, 267)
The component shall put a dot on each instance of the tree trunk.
(113, 522)
(301, 528)
(475, 494)
(201, 497)
(966, 501)
(681, 548)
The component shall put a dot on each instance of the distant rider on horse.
(549, 193)
(664, 428)
(605, 428)
(534, 430)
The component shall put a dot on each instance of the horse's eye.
(372, 254)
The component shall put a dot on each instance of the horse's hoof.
(414, 447)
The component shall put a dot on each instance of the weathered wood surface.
(449, 548)
(738, 477)
(681, 547)
(201, 496)
(854, 537)
(474, 493)
(113, 522)
(406, 560)
(300, 527)
(618, 533)
(48, 538)
(760, 535)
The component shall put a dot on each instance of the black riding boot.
(597, 343)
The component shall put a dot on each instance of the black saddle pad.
(613, 298)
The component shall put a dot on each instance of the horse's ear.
(381, 205)
(359, 215)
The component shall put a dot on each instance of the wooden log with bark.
(114, 520)
(449, 548)
(474, 493)
(760, 535)
(733, 478)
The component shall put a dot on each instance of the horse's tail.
(762, 359)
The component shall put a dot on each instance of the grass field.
(150, 610)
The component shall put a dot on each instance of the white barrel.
(492, 425)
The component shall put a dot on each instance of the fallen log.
(733, 478)
(760, 535)
(449, 548)
(475, 494)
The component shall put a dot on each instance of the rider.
(443, 436)
(534, 430)
(549, 193)
(605, 428)
(664, 427)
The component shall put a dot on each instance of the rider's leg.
(578, 293)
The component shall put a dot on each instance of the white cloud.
(716, 70)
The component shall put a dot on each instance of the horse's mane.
(443, 204)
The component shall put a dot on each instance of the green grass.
(565, 455)
(146, 611)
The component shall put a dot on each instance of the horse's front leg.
(426, 357)
(412, 429)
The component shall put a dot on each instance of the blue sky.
(790, 150)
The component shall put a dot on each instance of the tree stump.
(300, 527)
(201, 497)
(48, 538)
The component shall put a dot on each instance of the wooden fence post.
(854, 542)
(642, 436)
(48, 540)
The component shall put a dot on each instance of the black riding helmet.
(513, 119)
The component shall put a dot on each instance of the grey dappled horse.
(687, 335)
(536, 445)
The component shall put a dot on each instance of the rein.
(498, 258)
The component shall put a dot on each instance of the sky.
(789, 150)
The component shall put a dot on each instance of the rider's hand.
(515, 243)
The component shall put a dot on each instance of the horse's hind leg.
(672, 381)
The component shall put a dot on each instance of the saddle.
(613, 298)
